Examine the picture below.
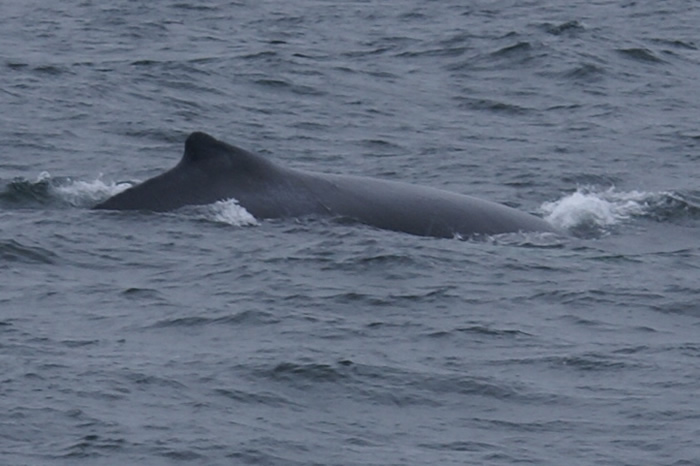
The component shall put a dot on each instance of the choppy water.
(205, 337)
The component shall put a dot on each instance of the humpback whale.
(211, 170)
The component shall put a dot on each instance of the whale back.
(211, 170)
(420, 210)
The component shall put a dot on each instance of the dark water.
(204, 337)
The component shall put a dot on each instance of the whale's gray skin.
(212, 170)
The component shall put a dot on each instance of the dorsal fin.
(204, 150)
(196, 144)
(200, 146)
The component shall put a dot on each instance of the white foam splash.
(80, 193)
(598, 209)
(84, 193)
(230, 212)
(43, 176)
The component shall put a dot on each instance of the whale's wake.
(591, 211)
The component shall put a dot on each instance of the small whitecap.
(588, 207)
(84, 193)
(230, 212)
(43, 176)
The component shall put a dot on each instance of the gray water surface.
(200, 337)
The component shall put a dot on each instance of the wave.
(230, 212)
(15, 251)
(592, 212)
(58, 191)
(249, 317)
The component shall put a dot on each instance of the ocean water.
(205, 336)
